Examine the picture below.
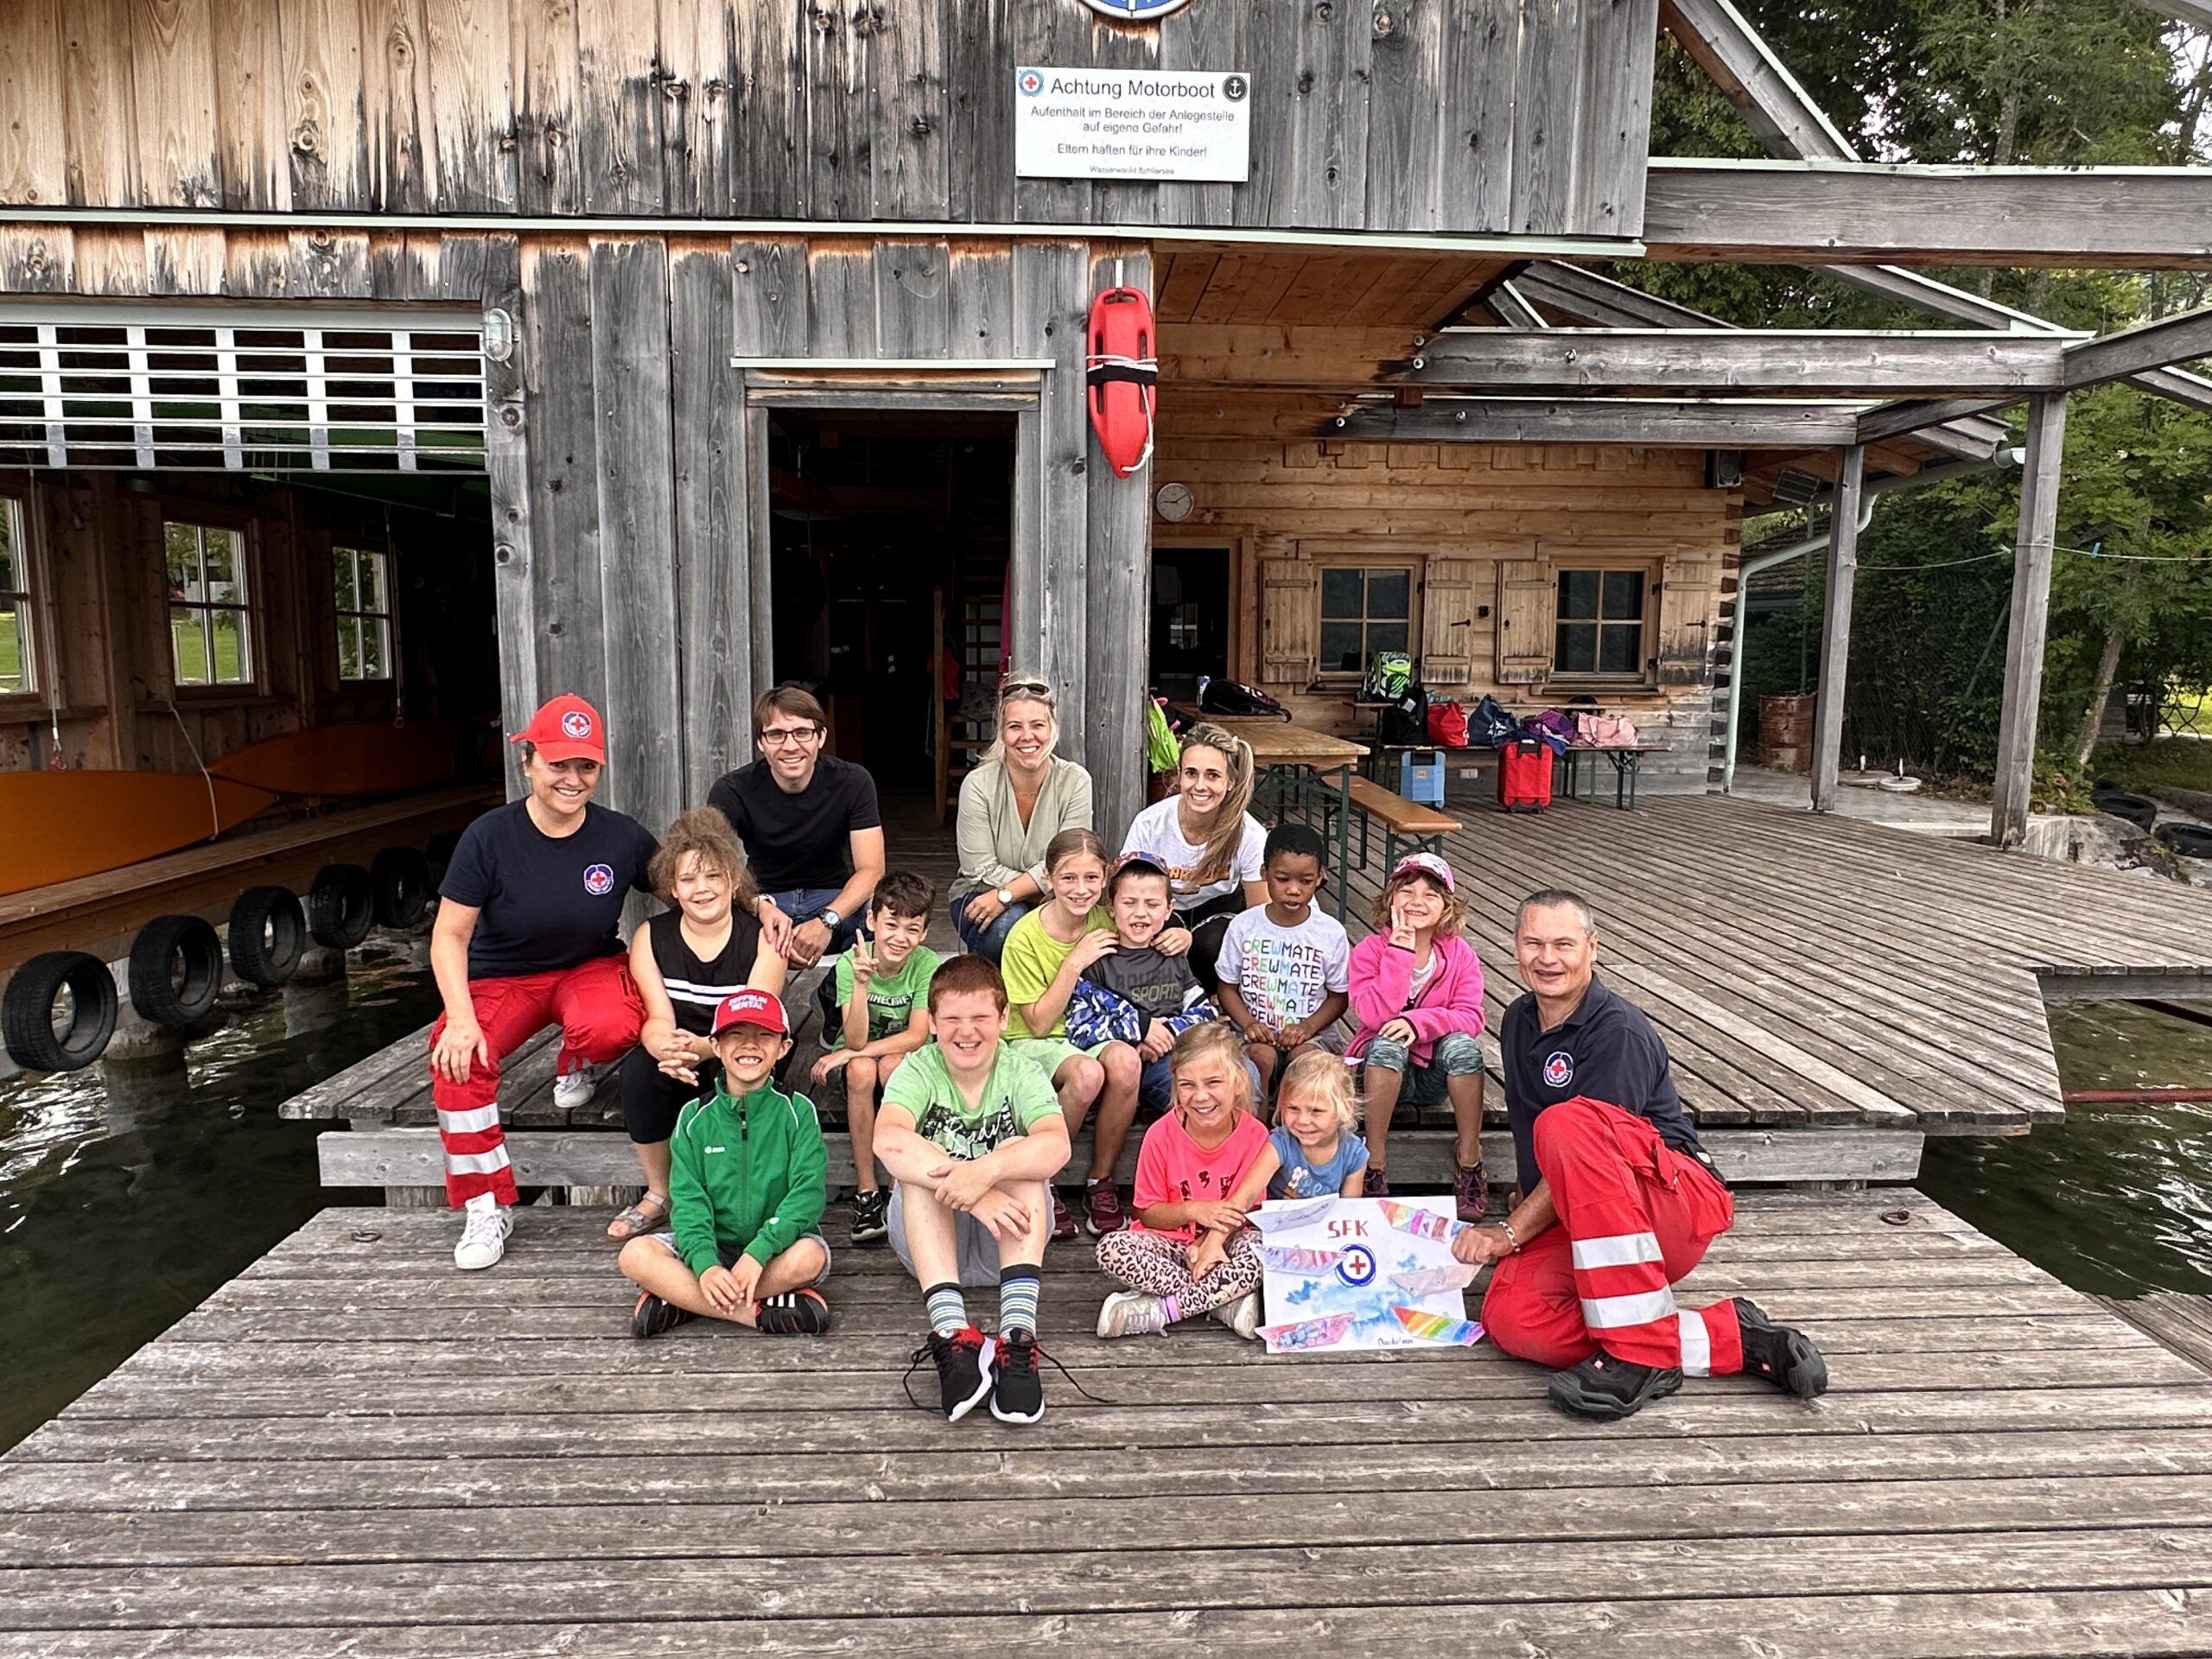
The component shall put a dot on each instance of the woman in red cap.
(527, 937)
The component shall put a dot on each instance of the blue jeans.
(804, 904)
(985, 941)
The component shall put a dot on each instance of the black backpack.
(1405, 721)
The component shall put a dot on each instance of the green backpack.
(1388, 675)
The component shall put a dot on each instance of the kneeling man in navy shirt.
(1621, 1200)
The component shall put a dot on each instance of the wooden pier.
(353, 1449)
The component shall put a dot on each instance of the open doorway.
(891, 534)
(1190, 619)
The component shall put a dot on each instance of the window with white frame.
(1364, 608)
(18, 666)
(364, 593)
(211, 616)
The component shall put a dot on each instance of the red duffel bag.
(1447, 724)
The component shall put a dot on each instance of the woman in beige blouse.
(1011, 806)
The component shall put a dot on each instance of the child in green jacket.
(747, 1188)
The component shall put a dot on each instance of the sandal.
(648, 1214)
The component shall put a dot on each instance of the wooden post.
(2015, 728)
(1118, 576)
(1836, 623)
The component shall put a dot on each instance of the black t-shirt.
(1605, 1050)
(696, 986)
(802, 840)
(1157, 985)
(548, 902)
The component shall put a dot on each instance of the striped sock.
(1018, 1299)
(948, 1309)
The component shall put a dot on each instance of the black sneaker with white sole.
(794, 1313)
(1606, 1388)
(962, 1359)
(871, 1216)
(1787, 1358)
(1017, 1392)
(651, 1315)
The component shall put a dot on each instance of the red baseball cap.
(752, 1007)
(566, 728)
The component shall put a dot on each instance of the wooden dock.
(353, 1449)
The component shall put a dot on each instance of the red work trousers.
(1634, 1216)
(599, 1012)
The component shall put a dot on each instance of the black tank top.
(696, 988)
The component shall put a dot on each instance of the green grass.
(2175, 762)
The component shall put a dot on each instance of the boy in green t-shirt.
(972, 1135)
(881, 988)
(747, 1188)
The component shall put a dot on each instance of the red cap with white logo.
(752, 1007)
(566, 728)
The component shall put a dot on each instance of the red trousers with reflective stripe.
(1634, 1216)
(600, 1013)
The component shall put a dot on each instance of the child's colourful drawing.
(1435, 1327)
(1429, 1281)
(1324, 1332)
(1279, 1215)
(1306, 1264)
(1358, 1260)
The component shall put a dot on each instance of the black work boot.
(1789, 1359)
(1604, 1387)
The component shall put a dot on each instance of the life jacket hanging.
(1121, 378)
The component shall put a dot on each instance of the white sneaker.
(572, 1090)
(484, 1233)
(1241, 1316)
(1132, 1314)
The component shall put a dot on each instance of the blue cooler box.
(1421, 776)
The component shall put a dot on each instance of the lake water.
(129, 1192)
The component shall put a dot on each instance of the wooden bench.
(1405, 822)
(1625, 757)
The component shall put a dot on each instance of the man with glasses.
(812, 831)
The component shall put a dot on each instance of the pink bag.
(1604, 731)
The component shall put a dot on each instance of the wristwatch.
(829, 918)
(1006, 895)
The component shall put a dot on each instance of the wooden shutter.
(1447, 622)
(1290, 621)
(1525, 621)
(1688, 596)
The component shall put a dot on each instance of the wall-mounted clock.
(1172, 502)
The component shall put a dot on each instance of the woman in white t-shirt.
(1210, 846)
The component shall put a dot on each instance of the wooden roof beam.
(2158, 345)
(1658, 422)
(1791, 124)
(1742, 363)
(1602, 302)
(1817, 213)
(2195, 13)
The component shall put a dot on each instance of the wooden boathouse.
(670, 350)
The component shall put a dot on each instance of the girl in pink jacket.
(1417, 993)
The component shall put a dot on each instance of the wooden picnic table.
(1625, 757)
(1303, 773)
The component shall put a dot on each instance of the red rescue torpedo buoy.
(1121, 378)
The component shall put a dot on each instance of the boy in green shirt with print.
(882, 1016)
(747, 1188)
(972, 1134)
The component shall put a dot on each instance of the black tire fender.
(267, 933)
(176, 970)
(401, 878)
(27, 1010)
(341, 907)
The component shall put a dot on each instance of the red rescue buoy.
(1121, 378)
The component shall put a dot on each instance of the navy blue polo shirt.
(549, 902)
(1605, 1050)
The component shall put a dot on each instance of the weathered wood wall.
(1484, 527)
(105, 669)
(1494, 116)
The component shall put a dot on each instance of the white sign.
(1131, 123)
(1350, 1273)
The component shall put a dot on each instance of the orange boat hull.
(367, 757)
(58, 826)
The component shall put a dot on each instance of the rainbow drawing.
(1435, 1327)
(1434, 1281)
(1421, 1223)
(1324, 1332)
(1307, 1264)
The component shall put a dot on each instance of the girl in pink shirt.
(1189, 1252)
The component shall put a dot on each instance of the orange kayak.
(57, 826)
(366, 757)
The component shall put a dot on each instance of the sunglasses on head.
(1031, 691)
